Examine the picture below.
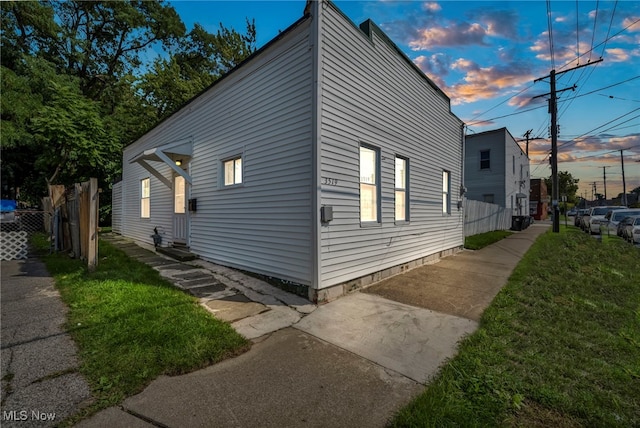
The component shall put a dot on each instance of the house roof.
(500, 131)
(368, 27)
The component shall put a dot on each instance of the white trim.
(167, 154)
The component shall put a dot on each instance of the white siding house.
(496, 170)
(327, 158)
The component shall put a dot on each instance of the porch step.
(180, 254)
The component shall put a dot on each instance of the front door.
(180, 215)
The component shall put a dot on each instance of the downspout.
(316, 156)
(463, 188)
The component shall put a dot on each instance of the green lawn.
(132, 326)
(558, 347)
(475, 242)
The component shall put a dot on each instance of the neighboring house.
(538, 199)
(496, 170)
(327, 158)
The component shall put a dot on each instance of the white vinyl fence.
(481, 217)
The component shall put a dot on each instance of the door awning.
(171, 154)
(521, 196)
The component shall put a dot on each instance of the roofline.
(255, 54)
(504, 128)
(368, 27)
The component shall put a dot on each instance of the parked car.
(614, 217)
(572, 212)
(631, 232)
(577, 220)
(623, 223)
(596, 216)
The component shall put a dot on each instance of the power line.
(574, 141)
(601, 43)
(610, 24)
(550, 32)
(593, 33)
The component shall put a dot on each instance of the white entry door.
(180, 214)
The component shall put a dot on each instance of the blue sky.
(486, 55)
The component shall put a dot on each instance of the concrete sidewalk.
(351, 362)
(41, 385)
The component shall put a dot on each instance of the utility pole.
(604, 176)
(527, 136)
(553, 109)
(624, 183)
(594, 191)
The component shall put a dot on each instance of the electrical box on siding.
(326, 214)
(193, 204)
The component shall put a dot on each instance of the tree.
(198, 62)
(567, 185)
(72, 87)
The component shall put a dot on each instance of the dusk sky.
(485, 55)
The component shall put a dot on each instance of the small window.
(145, 198)
(485, 159)
(179, 193)
(402, 202)
(368, 184)
(488, 198)
(446, 192)
(233, 171)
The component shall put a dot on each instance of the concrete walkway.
(351, 362)
(41, 385)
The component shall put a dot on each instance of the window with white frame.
(369, 183)
(446, 192)
(402, 179)
(145, 198)
(232, 171)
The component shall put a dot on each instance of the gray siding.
(502, 179)
(262, 111)
(480, 182)
(372, 95)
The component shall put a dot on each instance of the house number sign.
(330, 181)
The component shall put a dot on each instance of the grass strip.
(559, 346)
(132, 326)
(481, 240)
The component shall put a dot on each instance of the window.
(233, 171)
(488, 198)
(145, 198)
(402, 205)
(179, 206)
(446, 192)
(514, 164)
(485, 159)
(368, 184)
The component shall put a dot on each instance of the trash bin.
(516, 222)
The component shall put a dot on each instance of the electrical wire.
(568, 63)
(610, 24)
(575, 140)
(593, 33)
(550, 32)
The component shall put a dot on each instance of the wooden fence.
(481, 217)
(74, 220)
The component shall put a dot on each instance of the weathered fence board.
(481, 217)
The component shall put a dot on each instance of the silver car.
(614, 217)
(596, 216)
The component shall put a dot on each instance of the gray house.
(496, 170)
(327, 158)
